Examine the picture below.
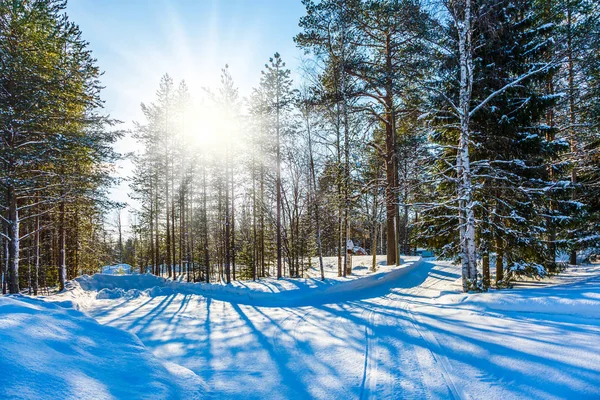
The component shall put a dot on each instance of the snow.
(268, 292)
(403, 332)
(117, 269)
(51, 352)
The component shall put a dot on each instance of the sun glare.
(208, 129)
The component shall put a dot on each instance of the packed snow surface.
(50, 352)
(399, 333)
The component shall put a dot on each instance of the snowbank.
(118, 269)
(579, 298)
(50, 352)
(267, 292)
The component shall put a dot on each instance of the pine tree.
(500, 60)
(276, 87)
(54, 140)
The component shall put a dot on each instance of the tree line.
(469, 127)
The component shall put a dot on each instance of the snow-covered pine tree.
(577, 44)
(276, 89)
(469, 83)
(510, 146)
(53, 140)
(585, 26)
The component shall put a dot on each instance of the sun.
(208, 129)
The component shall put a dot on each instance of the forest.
(407, 207)
(469, 128)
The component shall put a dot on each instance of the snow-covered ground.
(51, 352)
(361, 265)
(400, 333)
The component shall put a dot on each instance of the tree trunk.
(232, 220)
(341, 244)
(62, 259)
(374, 230)
(153, 259)
(227, 241)
(6, 261)
(499, 261)
(315, 198)
(463, 163)
(393, 224)
(175, 268)
(390, 198)
(13, 250)
(262, 221)
(346, 194)
(36, 245)
(573, 255)
(77, 268)
(168, 220)
(278, 182)
(205, 223)
(485, 263)
(254, 219)
(157, 230)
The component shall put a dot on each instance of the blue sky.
(137, 41)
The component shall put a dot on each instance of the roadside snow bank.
(50, 352)
(265, 292)
(577, 298)
(124, 282)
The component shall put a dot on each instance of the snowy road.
(413, 337)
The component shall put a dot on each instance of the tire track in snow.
(369, 380)
(283, 327)
(371, 375)
(432, 343)
(407, 360)
(410, 352)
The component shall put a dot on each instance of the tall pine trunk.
(205, 223)
(374, 229)
(62, 255)
(168, 237)
(152, 257)
(232, 218)
(227, 241)
(313, 176)
(278, 181)
(499, 260)
(254, 219)
(5, 267)
(13, 249)
(175, 268)
(36, 245)
(157, 229)
(261, 247)
(571, 78)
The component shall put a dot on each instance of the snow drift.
(50, 352)
(268, 292)
(580, 299)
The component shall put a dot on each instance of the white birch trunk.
(463, 166)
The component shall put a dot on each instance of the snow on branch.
(529, 74)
